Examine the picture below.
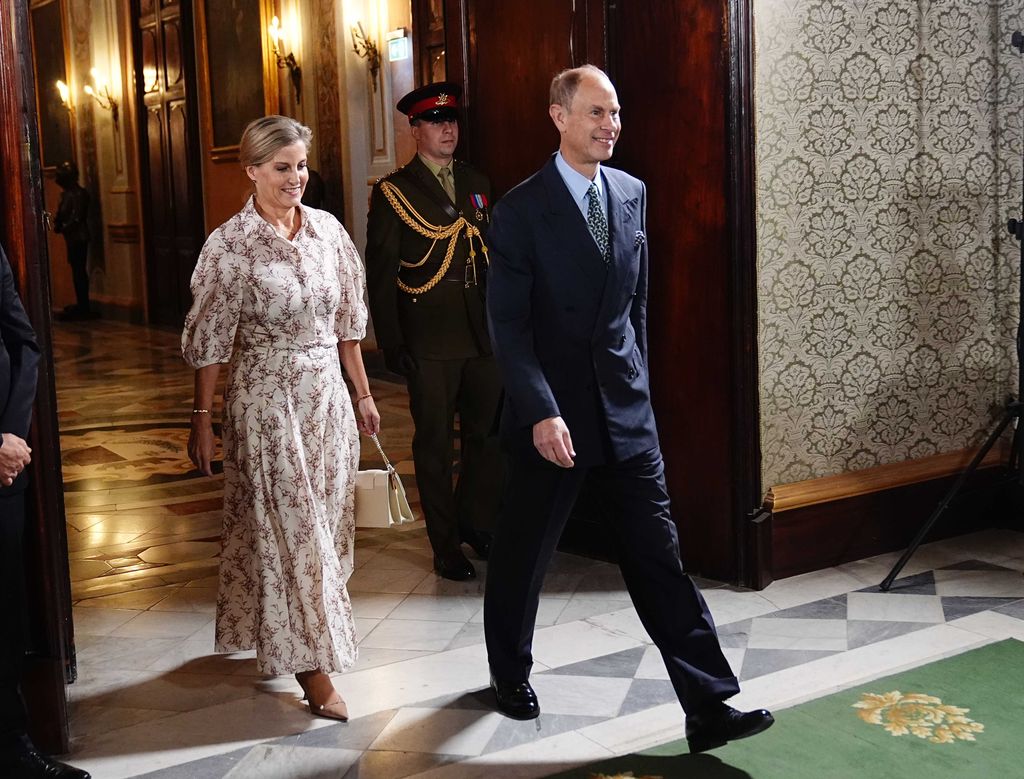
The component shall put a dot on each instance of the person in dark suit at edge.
(19, 364)
(426, 271)
(567, 303)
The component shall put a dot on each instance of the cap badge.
(442, 99)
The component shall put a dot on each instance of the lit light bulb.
(276, 33)
(98, 79)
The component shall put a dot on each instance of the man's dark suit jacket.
(569, 332)
(19, 365)
(448, 322)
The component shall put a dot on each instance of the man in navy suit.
(567, 305)
(19, 361)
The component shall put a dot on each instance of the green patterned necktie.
(445, 174)
(596, 221)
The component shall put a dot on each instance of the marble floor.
(152, 699)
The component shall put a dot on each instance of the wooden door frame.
(753, 527)
(51, 658)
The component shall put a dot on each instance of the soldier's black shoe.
(24, 761)
(516, 699)
(454, 566)
(719, 724)
(479, 541)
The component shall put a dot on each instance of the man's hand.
(398, 359)
(551, 438)
(15, 454)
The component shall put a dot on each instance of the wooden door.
(505, 55)
(682, 75)
(686, 133)
(51, 660)
(169, 153)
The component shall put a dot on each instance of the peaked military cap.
(433, 103)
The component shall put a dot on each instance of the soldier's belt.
(465, 274)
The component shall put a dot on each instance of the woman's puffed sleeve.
(210, 326)
(350, 319)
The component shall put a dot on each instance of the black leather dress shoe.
(479, 541)
(454, 566)
(720, 723)
(516, 699)
(26, 762)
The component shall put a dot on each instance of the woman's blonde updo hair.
(263, 137)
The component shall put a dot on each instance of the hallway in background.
(143, 525)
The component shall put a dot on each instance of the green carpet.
(960, 717)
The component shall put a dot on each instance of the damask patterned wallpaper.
(888, 142)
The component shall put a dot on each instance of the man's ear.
(557, 113)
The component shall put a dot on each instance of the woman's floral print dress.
(275, 310)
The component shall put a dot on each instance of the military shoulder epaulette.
(388, 175)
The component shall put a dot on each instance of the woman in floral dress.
(278, 296)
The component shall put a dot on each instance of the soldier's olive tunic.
(445, 330)
(447, 322)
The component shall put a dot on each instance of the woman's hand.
(201, 443)
(369, 417)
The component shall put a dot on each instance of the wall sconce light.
(367, 49)
(285, 61)
(99, 91)
(65, 95)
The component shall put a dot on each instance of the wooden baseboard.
(824, 522)
(800, 494)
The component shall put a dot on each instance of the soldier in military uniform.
(426, 261)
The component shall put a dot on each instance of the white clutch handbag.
(380, 496)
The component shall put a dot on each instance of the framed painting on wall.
(49, 56)
(232, 63)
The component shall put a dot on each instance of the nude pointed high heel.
(335, 709)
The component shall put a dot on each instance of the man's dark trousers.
(437, 390)
(538, 500)
(12, 638)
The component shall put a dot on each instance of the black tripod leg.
(1016, 461)
(1008, 417)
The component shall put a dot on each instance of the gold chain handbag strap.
(387, 462)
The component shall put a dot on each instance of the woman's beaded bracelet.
(200, 411)
(364, 397)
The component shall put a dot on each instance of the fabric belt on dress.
(282, 344)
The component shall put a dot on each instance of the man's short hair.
(565, 84)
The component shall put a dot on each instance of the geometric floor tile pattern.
(439, 732)
(152, 699)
